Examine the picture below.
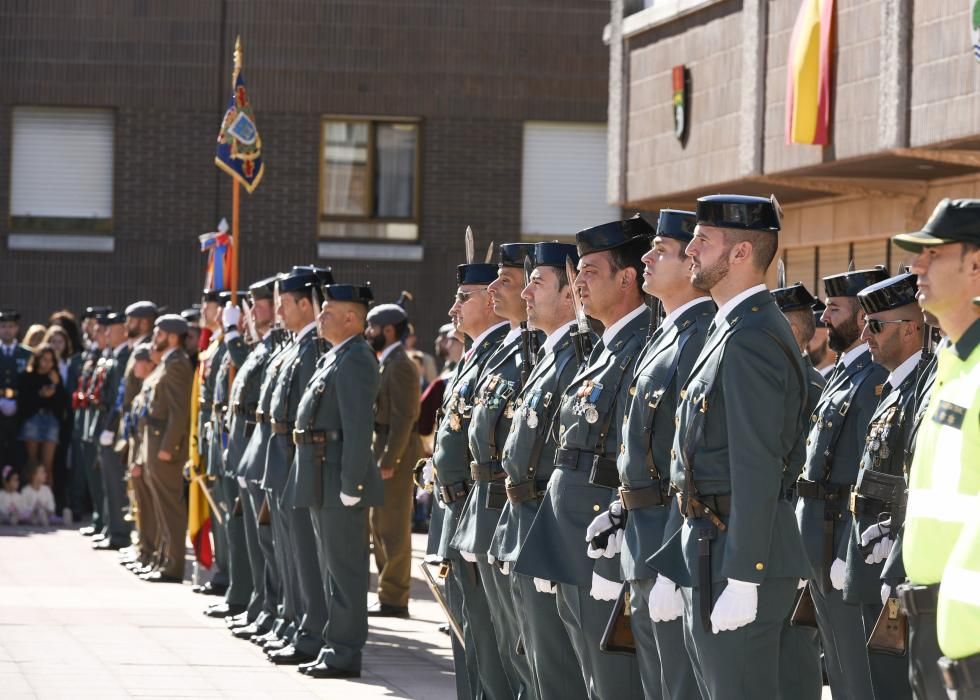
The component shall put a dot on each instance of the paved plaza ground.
(74, 624)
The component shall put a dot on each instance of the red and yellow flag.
(808, 71)
(198, 512)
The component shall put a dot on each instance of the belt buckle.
(852, 502)
(443, 570)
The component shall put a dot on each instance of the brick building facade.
(904, 131)
(470, 75)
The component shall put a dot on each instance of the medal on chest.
(586, 397)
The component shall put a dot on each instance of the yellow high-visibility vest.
(945, 474)
(958, 616)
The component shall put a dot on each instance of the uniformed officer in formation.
(938, 548)
(298, 291)
(85, 404)
(527, 457)
(493, 409)
(738, 556)
(480, 672)
(397, 448)
(336, 477)
(165, 443)
(13, 362)
(644, 461)
(837, 431)
(800, 668)
(584, 482)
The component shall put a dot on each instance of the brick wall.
(472, 72)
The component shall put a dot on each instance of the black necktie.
(886, 389)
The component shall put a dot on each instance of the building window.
(563, 183)
(369, 179)
(61, 170)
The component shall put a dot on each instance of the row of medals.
(877, 439)
(585, 399)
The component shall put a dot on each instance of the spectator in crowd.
(10, 500)
(60, 340)
(37, 501)
(67, 321)
(42, 404)
(34, 335)
(57, 338)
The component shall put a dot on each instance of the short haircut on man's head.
(630, 255)
(803, 320)
(764, 245)
(299, 294)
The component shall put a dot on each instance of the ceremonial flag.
(808, 70)
(198, 513)
(239, 145)
(975, 25)
(218, 246)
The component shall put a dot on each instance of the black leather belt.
(864, 505)
(281, 428)
(487, 471)
(918, 600)
(249, 428)
(247, 410)
(602, 470)
(260, 417)
(316, 437)
(573, 459)
(646, 497)
(526, 491)
(821, 491)
(450, 493)
(496, 495)
(720, 505)
(961, 674)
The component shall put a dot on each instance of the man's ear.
(741, 252)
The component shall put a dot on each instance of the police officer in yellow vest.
(945, 475)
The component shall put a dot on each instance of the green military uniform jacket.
(490, 421)
(257, 450)
(213, 357)
(528, 456)
(243, 403)
(234, 353)
(748, 386)
(397, 444)
(298, 364)
(336, 412)
(115, 370)
(835, 442)
(93, 396)
(648, 433)
(884, 451)
(555, 548)
(451, 454)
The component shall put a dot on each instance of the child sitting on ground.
(11, 503)
(38, 501)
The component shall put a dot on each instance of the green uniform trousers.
(391, 532)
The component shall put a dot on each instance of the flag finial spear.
(238, 58)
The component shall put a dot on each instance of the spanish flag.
(808, 72)
(198, 513)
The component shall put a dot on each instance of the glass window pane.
(394, 184)
(345, 171)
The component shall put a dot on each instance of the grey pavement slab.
(74, 624)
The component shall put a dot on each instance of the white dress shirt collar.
(610, 333)
(848, 357)
(899, 374)
(552, 340)
(488, 331)
(676, 313)
(725, 309)
(307, 329)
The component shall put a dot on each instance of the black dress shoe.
(384, 610)
(160, 577)
(289, 656)
(98, 537)
(224, 610)
(246, 632)
(239, 620)
(275, 645)
(87, 531)
(106, 545)
(264, 638)
(211, 588)
(322, 670)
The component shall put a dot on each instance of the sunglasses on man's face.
(463, 297)
(876, 326)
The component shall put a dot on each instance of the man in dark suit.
(585, 479)
(397, 447)
(13, 362)
(165, 444)
(738, 555)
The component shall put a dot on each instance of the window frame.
(372, 121)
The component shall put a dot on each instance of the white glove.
(468, 556)
(886, 593)
(611, 522)
(737, 606)
(349, 500)
(878, 533)
(603, 588)
(801, 584)
(427, 475)
(8, 407)
(242, 482)
(230, 316)
(106, 437)
(666, 602)
(544, 586)
(837, 574)
(505, 568)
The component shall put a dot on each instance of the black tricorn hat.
(304, 277)
(952, 221)
(90, 311)
(191, 315)
(477, 273)
(739, 211)
(263, 289)
(349, 292)
(673, 223)
(615, 234)
(848, 284)
(553, 254)
(224, 296)
(209, 294)
(11, 315)
(794, 298)
(891, 293)
(110, 319)
(513, 254)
